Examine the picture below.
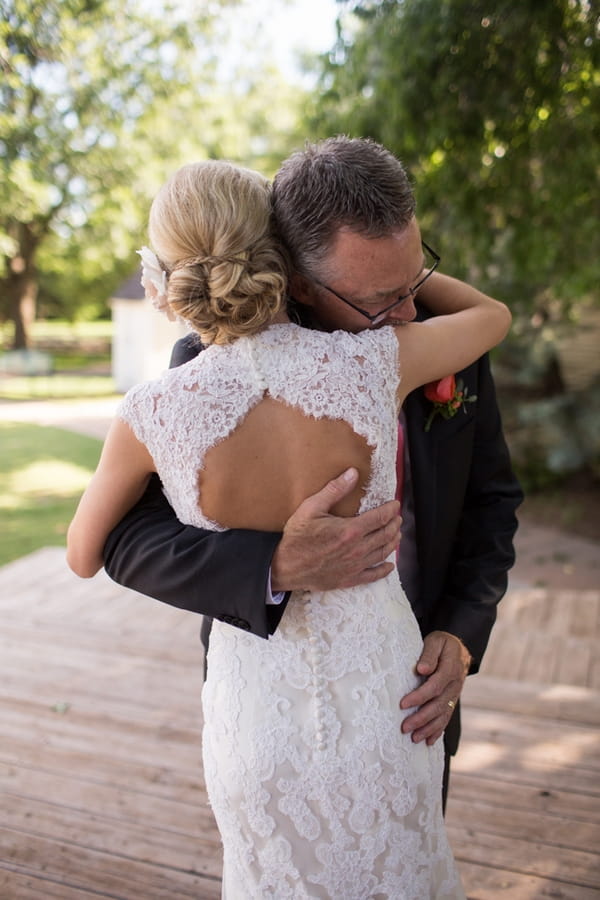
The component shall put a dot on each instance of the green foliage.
(495, 108)
(43, 472)
(82, 83)
(100, 100)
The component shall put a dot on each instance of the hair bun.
(210, 261)
(210, 224)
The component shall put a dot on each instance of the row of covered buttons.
(319, 684)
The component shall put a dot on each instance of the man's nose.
(405, 312)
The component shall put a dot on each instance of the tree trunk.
(23, 295)
(22, 287)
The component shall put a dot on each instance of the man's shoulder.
(185, 348)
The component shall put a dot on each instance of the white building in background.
(142, 337)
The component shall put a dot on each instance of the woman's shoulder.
(290, 332)
(377, 344)
(163, 383)
(290, 350)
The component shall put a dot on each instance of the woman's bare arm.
(118, 483)
(465, 325)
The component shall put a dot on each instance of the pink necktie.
(400, 464)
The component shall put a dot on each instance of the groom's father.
(336, 205)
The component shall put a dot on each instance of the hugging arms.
(465, 496)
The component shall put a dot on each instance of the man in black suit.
(460, 494)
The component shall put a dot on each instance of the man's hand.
(320, 552)
(444, 663)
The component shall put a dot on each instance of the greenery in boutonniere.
(447, 396)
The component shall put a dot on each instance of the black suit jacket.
(465, 497)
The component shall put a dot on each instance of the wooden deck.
(100, 762)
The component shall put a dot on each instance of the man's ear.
(302, 290)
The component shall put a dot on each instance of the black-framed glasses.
(375, 318)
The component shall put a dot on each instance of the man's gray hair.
(338, 182)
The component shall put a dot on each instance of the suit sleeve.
(477, 574)
(219, 574)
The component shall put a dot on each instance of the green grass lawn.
(43, 472)
(81, 356)
(55, 387)
(58, 329)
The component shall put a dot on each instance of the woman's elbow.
(80, 562)
(81, 567)
(504, 316)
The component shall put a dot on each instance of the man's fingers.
(335, 490)
(433, 689)
(430, 721)
(320, 551)
(368, 576)
(372, 521)
(378, 545)
(429, 660)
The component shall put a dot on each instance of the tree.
(495, 108)
(87, 106)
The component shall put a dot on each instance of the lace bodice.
(188, 410)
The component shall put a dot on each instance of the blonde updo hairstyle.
(210, 226)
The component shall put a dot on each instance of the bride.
(316, 791)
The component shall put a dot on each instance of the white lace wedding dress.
(315, 790)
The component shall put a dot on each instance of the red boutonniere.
(447, 396)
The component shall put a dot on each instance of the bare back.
(258, 476)
(243, 434)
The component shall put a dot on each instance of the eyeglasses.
(375, 318)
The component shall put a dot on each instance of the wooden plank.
(134, 802)
(147, 680)
(512, 603)
(568, 805)
(129, 683)
(547, 659)
(533, 613)
(560, 832)
(81, 867)
(17, 885)
(595, 674)
(20, 647)
(571, 867)
(559, 612)
(140, 746)
(138, 839)
(505, 653)
(69, 698)
(538, 662)
(556, 703)
(482, 882)
(157, 636)
(99, 601)
(485, 758)
(585, 621)
(165, 777)
(531, 739)
(26, 570)
(574, 662)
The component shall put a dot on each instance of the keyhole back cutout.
(273, 460)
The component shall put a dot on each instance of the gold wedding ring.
(451, 704)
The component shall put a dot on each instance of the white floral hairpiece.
(154, 282)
